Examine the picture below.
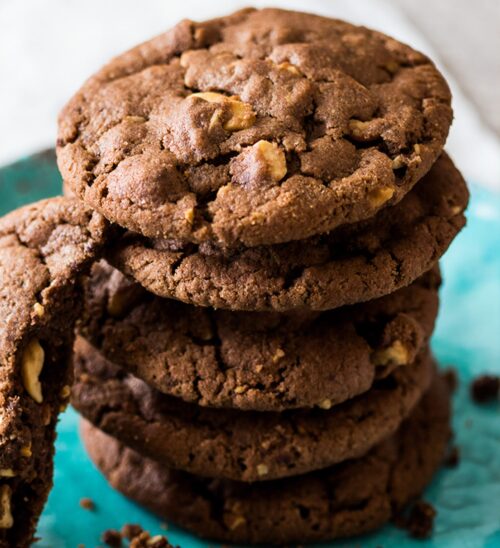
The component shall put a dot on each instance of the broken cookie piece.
(44, 249)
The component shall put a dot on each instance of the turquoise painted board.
(468, 337)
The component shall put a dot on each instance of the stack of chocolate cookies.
(253, 359)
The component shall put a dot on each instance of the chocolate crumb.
(452, 460)
(112, 538)
(87, 504)
(485, 388)
(420, 520)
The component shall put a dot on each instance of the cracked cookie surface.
(345, 500)
(262, 127)
(261, 361)
(44, 250)
(241, 445)
(358, 262)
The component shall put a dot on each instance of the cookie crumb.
(131, 530)
(452, 460)
(145, 540)
(112, 538)
(485, 388)
(137, 537)
(87, 504)
(420, 521)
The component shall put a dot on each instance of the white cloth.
(48, 48)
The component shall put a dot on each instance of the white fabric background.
(48, 47)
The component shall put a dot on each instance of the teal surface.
(467, 337)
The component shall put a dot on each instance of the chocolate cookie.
(261, 361)
(44, 250)
(345, 500)
(351, 264)
(257, 128)
(241, 445)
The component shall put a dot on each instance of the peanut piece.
(325, 404)
(7, 473)
(379, 196)
(26, 451)
(65, 392)
(262, 470)
(398, 162)
(357, 127)
(6, 519)
(38, 309)
(273, 157)
(292, 69)
(134, 119)
(242, 114)
(189, 215)
(278, 355)
(395, 354)
(31, 367)
(237, 522)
